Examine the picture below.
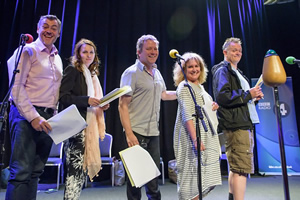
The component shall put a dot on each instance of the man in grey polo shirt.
(139, 109)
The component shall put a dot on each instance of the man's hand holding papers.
(66, 124)
(139, 165)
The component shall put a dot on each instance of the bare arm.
(168, 95)
(125, 120)
(192, 131)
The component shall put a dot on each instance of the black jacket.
(233, 113)
(73, 90)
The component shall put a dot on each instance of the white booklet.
(259, 81)
(65, 124)
(139, 165)
(209, 113)
(116, 93)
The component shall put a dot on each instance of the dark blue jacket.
(233, 113)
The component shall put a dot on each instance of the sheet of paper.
(210, 114)
(66, 124)
(259, 82)
(116, 93)
(139, 165)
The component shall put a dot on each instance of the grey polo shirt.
(146, 97)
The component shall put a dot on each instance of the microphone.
(174, 54)
(27, 38)
(273, 73)
(292, 60)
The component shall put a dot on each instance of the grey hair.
(230, 40)
(50, 17)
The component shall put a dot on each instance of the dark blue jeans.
(29, 153)
(151, 144)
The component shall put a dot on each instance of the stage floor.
(258, 188)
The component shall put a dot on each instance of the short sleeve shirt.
(146, 97)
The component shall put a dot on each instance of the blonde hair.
(177, 72)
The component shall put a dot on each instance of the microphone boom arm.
(4, 105)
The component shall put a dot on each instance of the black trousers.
(151, 144)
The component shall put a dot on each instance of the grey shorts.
(239, 150)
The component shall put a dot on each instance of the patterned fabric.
(186, 153)
(83, 153)
(74, 162)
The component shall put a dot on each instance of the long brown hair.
(76, 59)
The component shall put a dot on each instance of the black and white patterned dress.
(185, 152)
(74, 161)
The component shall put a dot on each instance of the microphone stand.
(4, 104)
(281, 144)
(198, 115)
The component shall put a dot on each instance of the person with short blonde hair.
(185, 137)
(139, 109)
(141, 41)
(177, 72)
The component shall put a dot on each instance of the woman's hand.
(105, 107)
(93, 101)
(215, 106)
(202, 147)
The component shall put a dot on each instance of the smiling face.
(149, 53)
(233, 53)
(87, 54)
(48, 31)
(192, 70)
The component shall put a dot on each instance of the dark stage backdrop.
(200, 26)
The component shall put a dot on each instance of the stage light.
(271, 2)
